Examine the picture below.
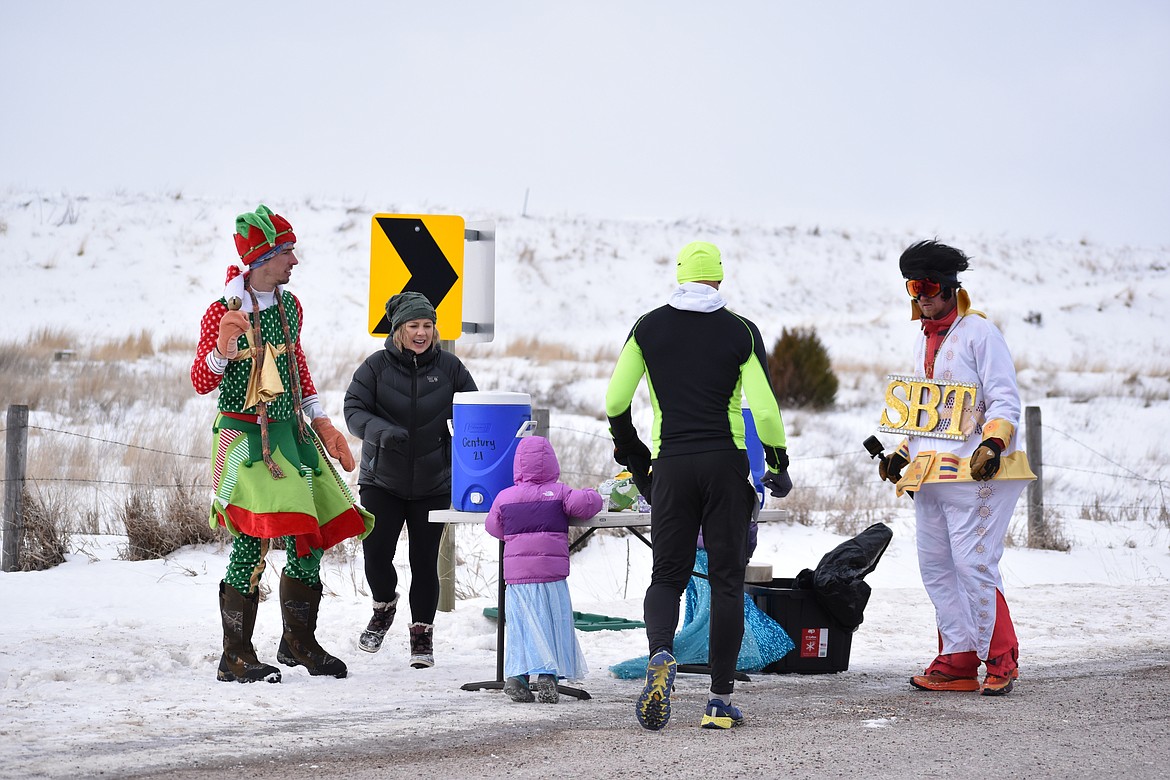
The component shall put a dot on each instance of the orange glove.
(232, 325)
(334, 441)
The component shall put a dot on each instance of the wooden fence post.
(14, 474)
(541, 417)
(447, 544)
(1038, 535)
(447, 571)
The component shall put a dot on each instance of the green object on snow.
(585, 621)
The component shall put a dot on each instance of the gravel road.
(1077, 719)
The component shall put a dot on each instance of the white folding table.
(630, 520)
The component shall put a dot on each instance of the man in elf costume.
(960, 410)
(269, 470)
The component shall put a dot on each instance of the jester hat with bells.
(260, 235)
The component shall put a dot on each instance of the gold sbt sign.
(915, 405)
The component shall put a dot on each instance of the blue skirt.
(539, 634)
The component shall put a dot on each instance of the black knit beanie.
(407, 306)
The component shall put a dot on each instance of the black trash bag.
(837, 583)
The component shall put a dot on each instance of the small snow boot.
(518, 690)
(238, 662)
(299, 603)
(546, 689)
(371, 638)
(422, 646)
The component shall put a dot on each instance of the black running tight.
(390, 514)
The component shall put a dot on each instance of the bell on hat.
(260, 233)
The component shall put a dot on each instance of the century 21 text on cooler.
(480, 444)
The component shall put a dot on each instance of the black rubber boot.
(298, 647)
(238, 662)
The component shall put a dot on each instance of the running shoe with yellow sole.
(653, 707)
(721, 716)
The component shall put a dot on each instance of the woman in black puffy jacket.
(398, 404)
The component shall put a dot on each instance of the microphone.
(874, 447)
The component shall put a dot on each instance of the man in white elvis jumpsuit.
(966, 485)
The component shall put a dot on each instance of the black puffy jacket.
(409, 394)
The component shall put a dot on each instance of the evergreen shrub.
(801, 372)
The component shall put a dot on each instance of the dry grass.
(48, 340)
(50, 372)
(174, 344)
(1109, 509)
(158, 522)
(851, 503)
(133, 347)
(544, 352)
(44, 539)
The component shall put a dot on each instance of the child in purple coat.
(532, 517)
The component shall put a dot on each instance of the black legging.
(390, 513)
(708, 490)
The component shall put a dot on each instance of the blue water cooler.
(486, 427)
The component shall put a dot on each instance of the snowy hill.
(123, 262)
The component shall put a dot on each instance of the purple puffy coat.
(532, 516)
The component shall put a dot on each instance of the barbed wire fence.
(15, 466)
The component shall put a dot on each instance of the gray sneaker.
(517, 690)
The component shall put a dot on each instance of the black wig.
(934, 261)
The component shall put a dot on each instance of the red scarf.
(936, 331)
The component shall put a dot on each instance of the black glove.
(643, 483)
(890, 467)
(985, 459)
(776, 477)
(777, 482)
(635, 456)
(392, 437)
(628, 449)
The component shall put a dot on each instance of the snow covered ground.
(109, 664)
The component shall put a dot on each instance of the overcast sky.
(1046, 118)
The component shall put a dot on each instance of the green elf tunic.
(311, 503)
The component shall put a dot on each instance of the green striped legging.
(246, 563)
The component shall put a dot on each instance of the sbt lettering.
(916, 405)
